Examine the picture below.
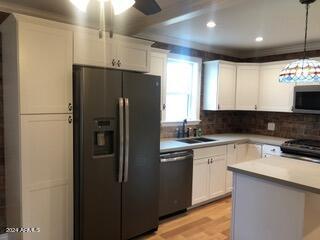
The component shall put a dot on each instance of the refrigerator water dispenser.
(103, 137)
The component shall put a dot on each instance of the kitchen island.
(276, 198)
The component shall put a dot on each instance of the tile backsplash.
(287, 125)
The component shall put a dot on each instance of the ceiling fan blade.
(147, 7)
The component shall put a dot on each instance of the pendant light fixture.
(119, 6)
(303, 70)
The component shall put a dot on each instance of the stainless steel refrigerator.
(116, 153)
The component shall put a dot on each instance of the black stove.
(303, 147)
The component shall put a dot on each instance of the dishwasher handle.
(174, 159)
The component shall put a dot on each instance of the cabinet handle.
(211, 161)
(70, 107)
(218, 106)
(113, 62)
(119, 63)
(255, 107)
(70, 119)
(164, 106)
(208, 161)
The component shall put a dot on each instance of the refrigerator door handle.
(121, 140)
(126, 151)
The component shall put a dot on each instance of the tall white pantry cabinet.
(37, 83)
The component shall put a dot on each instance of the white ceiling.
(239, 22)
(279, 22)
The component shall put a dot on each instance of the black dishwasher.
(175, 182)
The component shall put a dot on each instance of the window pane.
(177, 107)
(179, 76)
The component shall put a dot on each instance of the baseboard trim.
(210, 200)
(4, 236)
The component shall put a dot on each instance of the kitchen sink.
(189, 141)
(203, 139)
(195, 140)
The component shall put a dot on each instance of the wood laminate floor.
(211, 221)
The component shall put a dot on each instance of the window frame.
(194, 60)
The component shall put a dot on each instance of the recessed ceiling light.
(211, 24)
(259, 39)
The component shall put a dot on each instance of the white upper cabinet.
(45, 61)
(90, 50)
(273, 95)
(132, 56)
(219, 85)
(247, 93)
(158, 67)
(118, 52)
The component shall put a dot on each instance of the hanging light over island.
(303, 70)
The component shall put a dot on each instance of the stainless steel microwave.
(306, 99)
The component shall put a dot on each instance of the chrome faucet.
(184, 123)
(182, 132)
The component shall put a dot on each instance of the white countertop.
(287, 171)
(170, 145)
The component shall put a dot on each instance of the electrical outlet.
(271, 126)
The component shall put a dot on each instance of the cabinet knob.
(119, 63)
(255, 107)
(164, 106)
(113, 62)
(70, 119)
(70, 107)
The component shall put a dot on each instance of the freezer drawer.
(175, 182)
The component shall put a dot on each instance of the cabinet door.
(226, 87)
(231, 159)
(47, 176)
(45, 58)
(132, 56)
(273, 95)
(242, 150)
(247, 90)
(158, 67)
(200, 181)
(90, 50)
(254, 152)
(218, 172)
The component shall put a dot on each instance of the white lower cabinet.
(200, 182)
(47, 176)
(237, 153)
(209, 173)
(231, 159)
(254, 152)
(218, 176)
(210, 176)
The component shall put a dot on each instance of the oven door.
(306, 99)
